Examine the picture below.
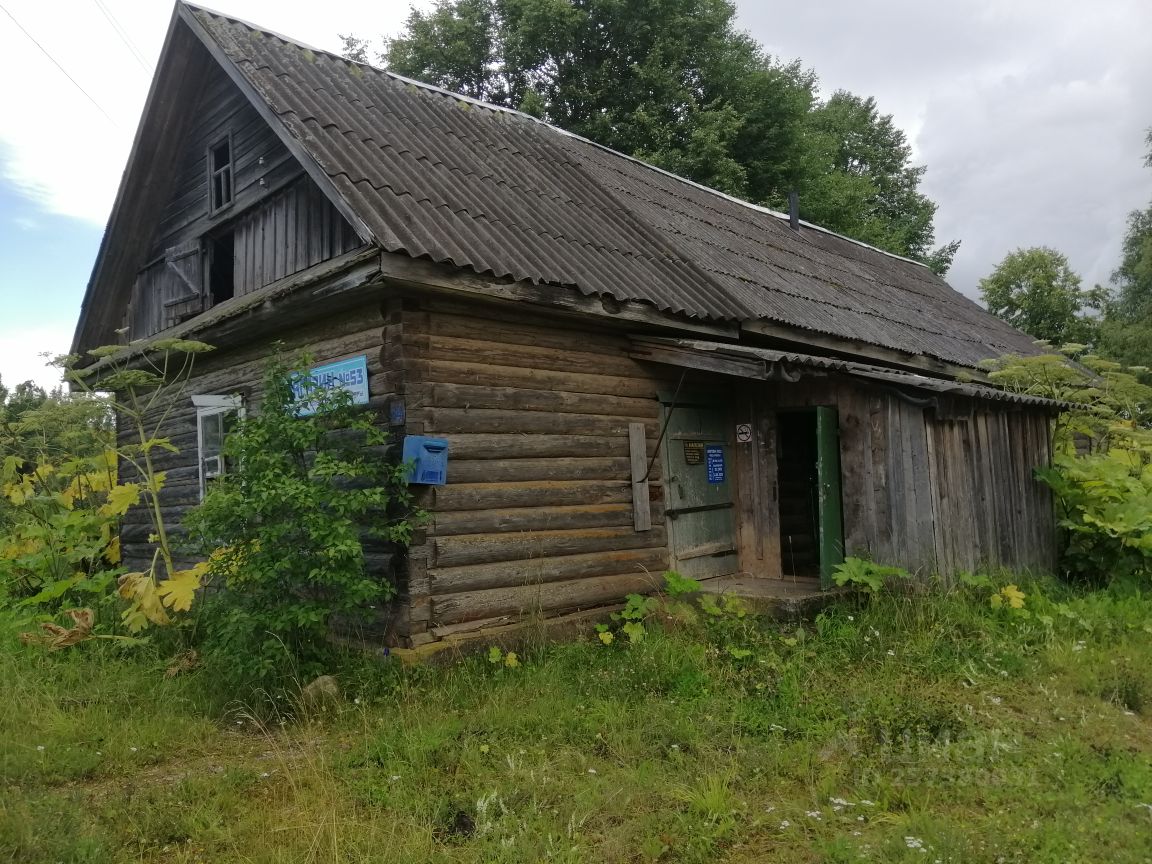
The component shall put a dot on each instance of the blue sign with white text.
(350, 375)
(714, 462)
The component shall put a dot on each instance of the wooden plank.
(931, 437)
(897, 489)
(878, 436)
(746, 492)
(550, 598)
(856, 454)
(488, 548)
(521, 445)
(533, 571)
(574, 355)
(519, 328)
(638, 459)
(768, 513)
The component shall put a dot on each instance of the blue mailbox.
(427, 459)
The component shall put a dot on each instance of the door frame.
(829, 487)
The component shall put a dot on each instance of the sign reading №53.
(350, 375)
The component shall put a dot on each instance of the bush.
(283, 531)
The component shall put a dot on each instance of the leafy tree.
(1127, 329)
(1036, 290)
(857, 179)
(26, 396)
(673, 82)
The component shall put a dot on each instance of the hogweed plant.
(142, 389)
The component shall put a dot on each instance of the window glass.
(220, 174)
(215, 418)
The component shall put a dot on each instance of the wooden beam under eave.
(774, 334)
(430, 276)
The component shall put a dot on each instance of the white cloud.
(1028, 114)
(21, 350)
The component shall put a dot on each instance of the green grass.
(913, 728)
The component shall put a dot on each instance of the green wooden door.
(698, 503)
(828, 493)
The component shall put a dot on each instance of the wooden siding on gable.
(261, 164)
(281, 222)
(291, 231)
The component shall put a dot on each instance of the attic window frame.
(227, 170)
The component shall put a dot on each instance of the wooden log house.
(632, 372)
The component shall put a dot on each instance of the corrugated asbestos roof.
(439, 176)
(770, 364)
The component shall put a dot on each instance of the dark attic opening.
(221, 267)
(797, 455)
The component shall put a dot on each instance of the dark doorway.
(221, 266)
(808, 474)
(796, 454)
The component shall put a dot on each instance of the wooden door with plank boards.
(699, 502)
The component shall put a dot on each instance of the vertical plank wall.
(537, 514)
(289, 232)
(937, 490)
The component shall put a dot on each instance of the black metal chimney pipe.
(794, 211)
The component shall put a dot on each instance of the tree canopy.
(1126, 334)
(675, 83)
(1036, 290)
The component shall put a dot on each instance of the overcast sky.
(1029, 115)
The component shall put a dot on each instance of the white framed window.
(215, 416)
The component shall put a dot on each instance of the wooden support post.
(638, 452)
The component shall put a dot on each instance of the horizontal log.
(533, 493)
(481, 371)
(472, 323)
(530, 519)
(472, 420)
(526, 600)
(140, 531)
(488, 348)
(488, 548)
(519, 445)
(449, 580)
(380, 564)
(501, 470)
(173, 514)
(523, 399)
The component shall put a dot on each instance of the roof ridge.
(516, 113)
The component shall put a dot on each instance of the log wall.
(537, 514)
